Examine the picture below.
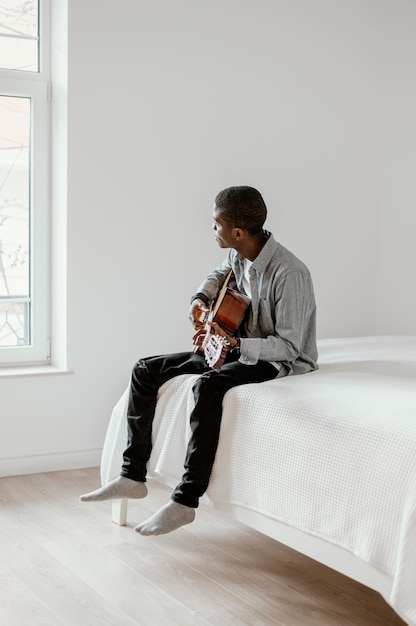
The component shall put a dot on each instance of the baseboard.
(56, 462)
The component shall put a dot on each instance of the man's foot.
(170, 517)
(119, 488)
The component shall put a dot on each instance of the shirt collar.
(266, 253)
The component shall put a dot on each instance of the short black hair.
(242, 207)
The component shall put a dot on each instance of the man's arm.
(285, 324)
(206, 293)
(212, 284)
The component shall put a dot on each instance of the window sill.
(33, 370)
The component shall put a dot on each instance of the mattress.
(331, 453)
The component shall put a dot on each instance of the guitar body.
(229, 312)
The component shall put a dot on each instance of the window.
(24, 182)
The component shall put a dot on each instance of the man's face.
(223, 232)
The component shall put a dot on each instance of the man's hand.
(198, 313)
(199, 337)
(217, 330)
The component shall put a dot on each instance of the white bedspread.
(332, 453)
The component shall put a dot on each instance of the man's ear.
(238, 233)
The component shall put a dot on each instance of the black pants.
(205, 420)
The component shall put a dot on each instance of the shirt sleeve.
(215, 280)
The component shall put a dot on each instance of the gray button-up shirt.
(283, 305)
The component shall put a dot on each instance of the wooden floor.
(65, 562)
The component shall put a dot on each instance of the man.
(277, 339)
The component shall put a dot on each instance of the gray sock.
(168, 518)
(119, 488)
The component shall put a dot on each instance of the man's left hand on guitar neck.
(198, 313)
(214, 329)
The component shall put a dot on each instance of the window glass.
(14, 221)
(24, 183)
(19, 36)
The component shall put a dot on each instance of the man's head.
(242, 207)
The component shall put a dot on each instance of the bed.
(323, 462)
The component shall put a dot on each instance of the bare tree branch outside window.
(19, 35)
(18, 51)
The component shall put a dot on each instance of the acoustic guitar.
(228, 311)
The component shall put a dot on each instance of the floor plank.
(18, 605)
(64, 563)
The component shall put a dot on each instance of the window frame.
(37, 87)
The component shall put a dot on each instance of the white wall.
(396, 286)
(167, 104)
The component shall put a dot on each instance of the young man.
(277, 339)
